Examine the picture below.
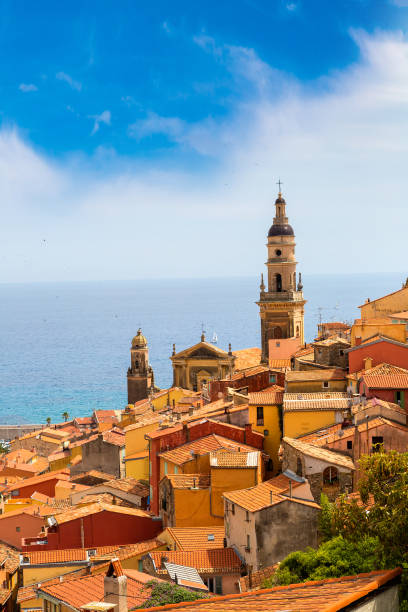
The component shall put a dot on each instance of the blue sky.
(157, 128)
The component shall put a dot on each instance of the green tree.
(163, 593)
(333, 559)
(48, 420)
(65, 416)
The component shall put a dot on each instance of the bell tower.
(281, 305)
(140, 378)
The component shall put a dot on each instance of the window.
(232, 508)
(18, 529)
(247, 516)
(259, 415)
(330, 476)
(210, 537)
(278, 252)
(398, 397)
(349, 444)
(165, 468)
(175, 469)
(15, 492)
(299, 468)
(266, 433)
(164, 503)
(272, 378)
(341, 352)
(326, 384)
(376, 443)
(297, 331)
(278, 282)
(248, 544)
(218, 585)
(269, 467)
(140, 565)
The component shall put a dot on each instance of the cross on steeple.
(279, 183)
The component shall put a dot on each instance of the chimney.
(271, 496)
(248, 430)
(186, 433)
(115, 586)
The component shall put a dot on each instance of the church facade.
(281, 303)
(195, 366)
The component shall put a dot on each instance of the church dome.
(281, 230)
(139, 341)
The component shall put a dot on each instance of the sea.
(64, 347)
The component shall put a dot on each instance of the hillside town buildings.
(209, 484)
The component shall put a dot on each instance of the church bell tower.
(281, 305)
(140, 379)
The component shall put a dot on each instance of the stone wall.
(101, 456)
(312, 469)
(284, 528)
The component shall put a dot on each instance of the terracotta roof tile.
(316, 401)
(266, 494)
(386, 376)
(79, 591)
(225, 459)
(330, 595)
(9, 558)
(71, 515)
(189, 481)
(266, 398)
(216, 560)
(197, 538)
(202, 446)
(315, 375)
(279, 363)
(320, 453)
(247, 358)
(60, 474)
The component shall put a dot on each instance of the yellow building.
(307, 412)
(386, 305)
(316, 381)
(146, 418)
(265, 416)
(363, 330)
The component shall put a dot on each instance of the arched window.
(330, 476)
(297, 331)
(278, 279)
(299, 468)
(294, 281)
(137, 364)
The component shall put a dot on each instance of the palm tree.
(48, 420)
(65, 416)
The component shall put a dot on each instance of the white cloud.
(104, 117)
(63, 76)
(27, 87)
(291, 6)
(339, 145)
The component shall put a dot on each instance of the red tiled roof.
(71, 515)
(247, 358)
(266, 494)
(267, 397)
(80, 591)
(386, 376)
(330, 595)
(212, 561)
(202, 446)
(59, 474)
(316, 375)
(189, 481)
(197, 538)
